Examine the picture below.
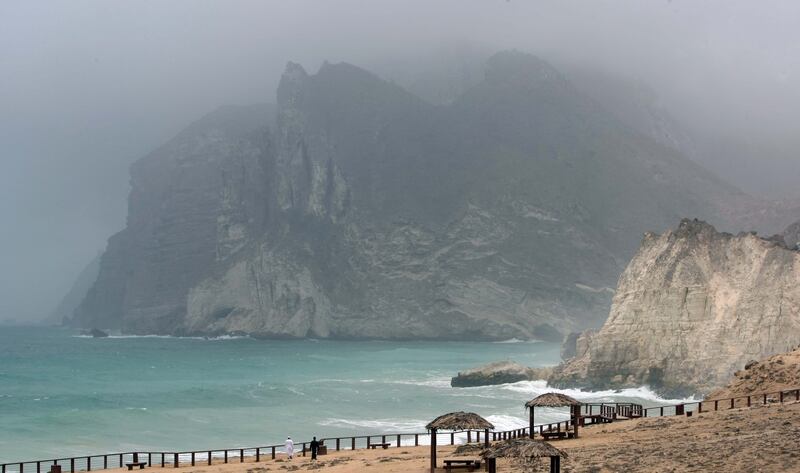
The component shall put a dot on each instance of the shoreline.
(759, 438)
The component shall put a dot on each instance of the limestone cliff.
(366, 212)
(692, 307)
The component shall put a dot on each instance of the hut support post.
(531, 420)
(576, 415)
(555, 464)
(486, 438)
(433, 450)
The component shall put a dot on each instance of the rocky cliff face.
(366, 212)
(693, 306)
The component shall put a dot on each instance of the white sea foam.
(534, 388)
(211, 339)
(379, 425)
(517, 340)
(434, 383)
(505, 422)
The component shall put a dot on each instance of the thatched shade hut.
(556, 400)
(525, 452)
(456, 421)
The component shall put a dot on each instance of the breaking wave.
(378, 425)
(535, 388)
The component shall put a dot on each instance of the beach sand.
(758, 439)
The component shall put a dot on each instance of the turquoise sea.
(62, 394)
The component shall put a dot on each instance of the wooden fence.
(612, 411)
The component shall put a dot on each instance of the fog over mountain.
(88, 87)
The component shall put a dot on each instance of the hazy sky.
(86, 87)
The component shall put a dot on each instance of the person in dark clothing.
(314, 449)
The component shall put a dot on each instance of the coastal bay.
(63, 394)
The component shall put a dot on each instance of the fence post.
(398, 440)
(241, 455)
(192, 458)
(337, 444)
(353, 442)
(175, 461)
(748, 401)
(226, 456)
(732, 402)
(304, 449)
(416, 440)
(209, 458)
(258, 455)
(273, 452)
(452, 438)
(781, 397)
(72, 465)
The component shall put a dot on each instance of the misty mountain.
(72, 299)
(367, 212)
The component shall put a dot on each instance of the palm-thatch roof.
(468, 449)
(553, 400)
(460, 421)
(522, 448)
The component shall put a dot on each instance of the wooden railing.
(614, 411)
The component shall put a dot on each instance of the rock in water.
(95, 333)
(365, 212)
(499, 372)
(693, 306)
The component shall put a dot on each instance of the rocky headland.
(692, 307)
(499, 372)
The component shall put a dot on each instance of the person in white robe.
(289, 447)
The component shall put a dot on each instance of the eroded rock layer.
(693, 306)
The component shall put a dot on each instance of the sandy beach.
(758, 439)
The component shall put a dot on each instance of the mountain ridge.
(366, 212)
